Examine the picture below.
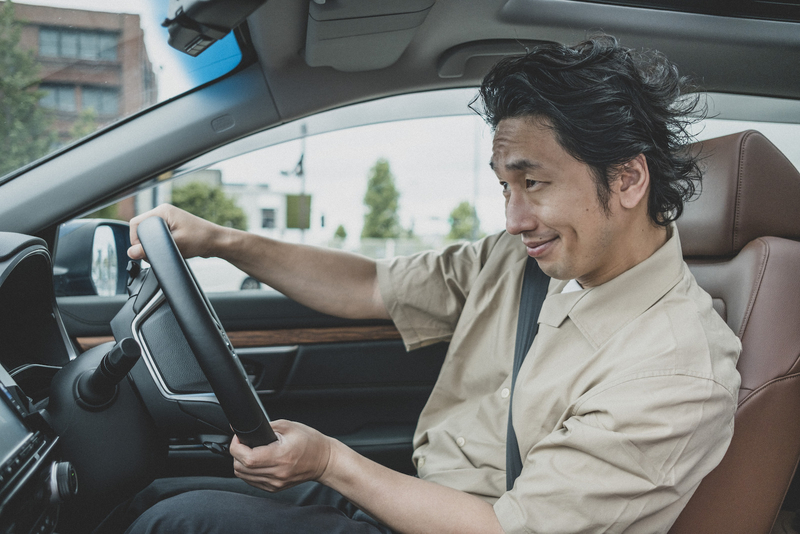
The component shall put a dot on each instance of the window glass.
(375, 188)
(102, 101)
(48, 42)
(69, 44)
(58, 97)
(434, 170)
(89, 45)
(378, 190)
(74, 45)
(268, 218)
(49, 98)
(108, 47)
(82, 44)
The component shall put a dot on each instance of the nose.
(520, 214)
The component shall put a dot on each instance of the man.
(626, 398)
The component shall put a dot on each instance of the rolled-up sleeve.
(425, 293)
(625, 458)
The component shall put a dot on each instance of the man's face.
(552, 203)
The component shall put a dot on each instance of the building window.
(58, 97)
(68, 44)
(48, 43)
(79, 44)
(267, 218)
(102, 100)
(89, 45)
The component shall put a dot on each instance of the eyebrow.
(519, 165)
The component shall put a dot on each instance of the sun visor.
(358, 35)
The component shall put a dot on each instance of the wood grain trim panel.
(307, 336)
(288, 336)
(86, 343)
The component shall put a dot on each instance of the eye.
(530, 183)
(504, 185)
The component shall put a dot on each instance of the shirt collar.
(599, 312)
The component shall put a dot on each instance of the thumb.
(136, 252)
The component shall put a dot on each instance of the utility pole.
(303, 204)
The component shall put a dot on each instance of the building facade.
(94, 68)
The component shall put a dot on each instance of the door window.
(385, 178)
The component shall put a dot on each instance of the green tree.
(382, 199)
(210, 203)
(109, 212)
(85, 124)
(25, 127)
(340, 233)
(464, 223)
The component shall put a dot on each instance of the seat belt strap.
(534, 291)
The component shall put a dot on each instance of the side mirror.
(91, 258)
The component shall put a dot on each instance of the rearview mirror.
(194, 25)
(91, 258)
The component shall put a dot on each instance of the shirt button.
(505, 393)
(461, 442)
(421, 461)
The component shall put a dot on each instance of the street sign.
(298, 211)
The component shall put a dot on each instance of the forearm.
(331, 281)
(406, 504)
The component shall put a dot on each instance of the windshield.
(71, 67)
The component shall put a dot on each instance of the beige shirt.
(624, 402)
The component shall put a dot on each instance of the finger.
(136, 252)
(261, 484)
(281, 425)
(246, 458)
(262, 471)
(268, 484)
(238, 449)
(134, 224)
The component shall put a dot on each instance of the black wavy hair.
(606, 105)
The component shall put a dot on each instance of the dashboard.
(33, 346)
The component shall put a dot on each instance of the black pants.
(231, 506)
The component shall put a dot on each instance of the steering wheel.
(205, 335)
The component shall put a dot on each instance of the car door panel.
(89, 316)
(349, 379)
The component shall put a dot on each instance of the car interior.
(744, 255)
(89, 418)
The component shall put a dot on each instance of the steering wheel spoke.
(205, 335)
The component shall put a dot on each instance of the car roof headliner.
(724, 54)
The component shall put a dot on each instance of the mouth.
(538, 248)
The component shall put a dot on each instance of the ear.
(634, 182)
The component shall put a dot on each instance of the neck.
(634, 245)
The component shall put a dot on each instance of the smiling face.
(552, 203)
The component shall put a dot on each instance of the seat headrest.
(750, 190)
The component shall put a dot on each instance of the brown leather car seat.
(741, 241)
